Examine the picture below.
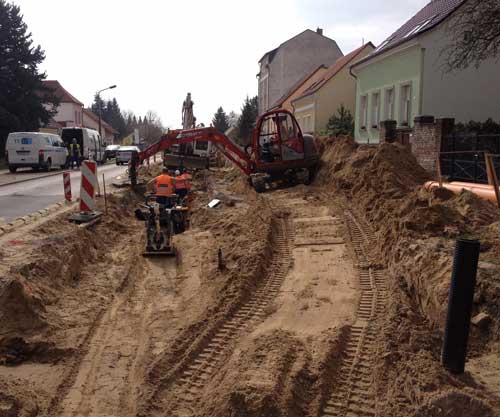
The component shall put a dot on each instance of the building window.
(389, 104)
(375, 110)
(363, 111)
(405, 113)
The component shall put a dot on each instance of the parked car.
(36, 150)
(123, 154)
(91, 146)
(110, 151)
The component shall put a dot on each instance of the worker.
(74, 154)
(164, 188)
(182, 184)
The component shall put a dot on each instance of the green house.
(404, 77)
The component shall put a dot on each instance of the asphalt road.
(23, 198)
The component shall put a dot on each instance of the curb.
(31, 179)
(30, 218)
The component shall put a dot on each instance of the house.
(285, 101)
(404, 77)
(286, 65)
(70, 110)
(91, 121)
(325, 95)
(71, 113)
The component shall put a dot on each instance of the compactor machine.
(162, 223)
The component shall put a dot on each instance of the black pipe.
(463, 282)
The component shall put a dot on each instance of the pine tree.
(220, 120)
(247, 119)
(97, 105)
(341, 124)
(22, 93)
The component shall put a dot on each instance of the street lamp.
(99, 103)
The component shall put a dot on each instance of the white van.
(91, 146)
(36, 150)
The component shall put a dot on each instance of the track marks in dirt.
(110, 374)
(199, 370)
(353, 395)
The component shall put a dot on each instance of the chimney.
(319, 31)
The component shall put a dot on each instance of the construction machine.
(188, 155)
(162, 223)
(278, 151)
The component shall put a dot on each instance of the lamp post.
(99, 103)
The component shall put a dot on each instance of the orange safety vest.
(164, 186)
(182, 182)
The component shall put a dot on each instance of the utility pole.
(99, 104)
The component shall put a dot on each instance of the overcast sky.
(158, 50)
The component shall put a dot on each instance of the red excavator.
(278, 150)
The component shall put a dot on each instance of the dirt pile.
(416, 231)
(55, 281)
(415, 226)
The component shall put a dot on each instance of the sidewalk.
(7, 178)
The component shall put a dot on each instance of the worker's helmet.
(74, 140)
(177, 172)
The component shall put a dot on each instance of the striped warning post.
(88, 186)
(67, 185)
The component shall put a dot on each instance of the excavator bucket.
(174, 161)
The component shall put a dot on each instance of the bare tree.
(474, 31)
(152, 127)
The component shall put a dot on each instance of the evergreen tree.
(247, 119)
(22, 93)
(98, 104)
(220, 120)
(341, 123)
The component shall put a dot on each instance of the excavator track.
(201, 368)
(353, 395)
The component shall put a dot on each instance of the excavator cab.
(278, 139)
(280, 151)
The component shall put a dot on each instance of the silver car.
(124, 153)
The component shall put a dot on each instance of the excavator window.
(292, 144)
(269, 148)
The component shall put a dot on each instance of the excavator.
(278, 151)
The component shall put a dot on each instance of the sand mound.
(455, 404)
(416, 231)
(21, 309)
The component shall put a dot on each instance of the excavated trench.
(302, 318)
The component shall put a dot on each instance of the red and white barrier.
(88, 186)
(67, 185)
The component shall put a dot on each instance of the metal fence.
(462, 157)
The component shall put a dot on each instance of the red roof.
(95, 118)
(429, 17)
(295, 87)
(334, 70)
(61, 93)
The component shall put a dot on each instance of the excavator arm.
(220, 141)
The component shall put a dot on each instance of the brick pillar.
(425, 143)
(388, 131)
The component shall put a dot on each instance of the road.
(26, 197)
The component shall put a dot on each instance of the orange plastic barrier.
(484, 191)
